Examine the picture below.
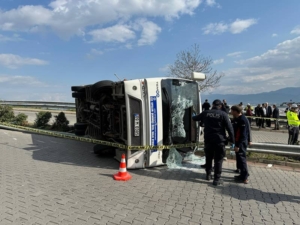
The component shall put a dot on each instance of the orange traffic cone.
(122, 175)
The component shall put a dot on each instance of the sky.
(48, 46)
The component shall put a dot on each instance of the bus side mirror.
(198, 76)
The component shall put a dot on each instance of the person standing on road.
(276, 117)
(249, 113)
(257, 114)
(268, 114)
(294, 124)
(216, 123)
(242, 133)
(206, 105)
(225, 107)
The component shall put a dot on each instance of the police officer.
(242, 133)
(294, 124)
(216, 123)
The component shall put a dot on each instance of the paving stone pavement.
(45, 180)
(270, 137)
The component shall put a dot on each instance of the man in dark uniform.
(276, 117)
(205, 105)
(268, 114)
(216, 123)
(242, 133)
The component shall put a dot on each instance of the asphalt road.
(46, 180)
(32, 116)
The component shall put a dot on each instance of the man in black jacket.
(242, 133)
(205, 105)
(276, 117)
(225, 107)
(268, 114)
(216, 123)
(257, 114)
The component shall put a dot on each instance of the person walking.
(216, 123)
(294, 123)
(275, 116)
(205, 105)
(242, 133)
(269, 112)
(262, 112)
(249, 113)
(225, 107)
(257, 114)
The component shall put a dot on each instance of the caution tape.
(95, 141)
(267, 118)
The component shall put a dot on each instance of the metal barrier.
(58, 105)
(278, 149)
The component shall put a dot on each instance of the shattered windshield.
(180, 101)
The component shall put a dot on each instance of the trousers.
(276, 122)
(216, 152)
(241, 161)
(293, 135)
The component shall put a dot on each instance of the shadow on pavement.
(64, 151)
(245, 193)
(56, 150)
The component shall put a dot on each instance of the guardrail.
(56, 105)
(277, 149)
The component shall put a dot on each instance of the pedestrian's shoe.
(203, 166)
(209, 177)
(237, 171)
(217, 182)
(241, 180)
(238, 178)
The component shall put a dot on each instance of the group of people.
(264, 114)
(216, 123)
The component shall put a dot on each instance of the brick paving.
(45, 180)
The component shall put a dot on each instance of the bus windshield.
(180, 101)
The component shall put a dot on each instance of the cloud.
(284, 55)
(235, 54)
(236, 27)
(29, 88)
(274, 69)
(165, 68)
(218, 61)
(28, 81)
(296, 30)
(93, 53)
(15, 37)
(274, 35)
(212, 3)
(15, 61)
(117, 33)
(149, 34)
(215, 28)
(77, 17)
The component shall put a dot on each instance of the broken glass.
(174, 160)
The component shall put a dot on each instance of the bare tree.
(193, 61)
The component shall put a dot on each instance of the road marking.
(40, 141)
(15, 139)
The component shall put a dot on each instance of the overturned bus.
(140, 112)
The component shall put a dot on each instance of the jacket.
(269, 111)
(293, 119)
(276, 113)
(205, 106)
(216, 122)
(242, 131)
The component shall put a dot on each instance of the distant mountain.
(277, 97)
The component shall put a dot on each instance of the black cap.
(217, 102)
